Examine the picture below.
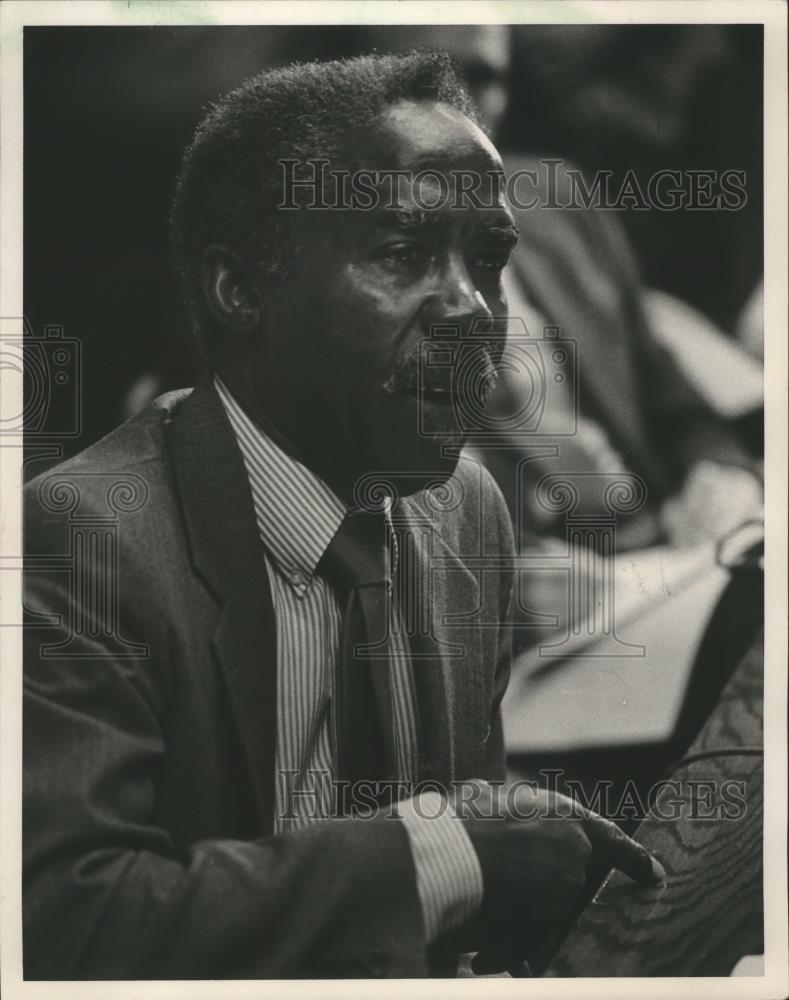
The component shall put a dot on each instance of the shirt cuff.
(448, 874)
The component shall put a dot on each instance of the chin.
(402, 469)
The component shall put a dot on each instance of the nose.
(457, 301)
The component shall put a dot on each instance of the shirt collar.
(296, 512)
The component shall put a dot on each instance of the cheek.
(370, 320)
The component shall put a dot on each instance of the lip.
(438, 394)
(434, 393)
(439, 405)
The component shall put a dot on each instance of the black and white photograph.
(394, 516)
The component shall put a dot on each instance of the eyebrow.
(408, 218)
(413, 219)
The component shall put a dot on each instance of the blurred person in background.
(637, 100)
(643, 98)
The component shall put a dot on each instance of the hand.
(535, 857)
(713, 501)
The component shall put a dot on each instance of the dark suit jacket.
(578, 268)
(149, 726)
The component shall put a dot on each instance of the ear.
(229, 290)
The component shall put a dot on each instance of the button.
(298, 579)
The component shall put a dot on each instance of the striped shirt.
(297, 517)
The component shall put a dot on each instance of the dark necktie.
(357, 565)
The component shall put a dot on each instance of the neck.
(238, 375)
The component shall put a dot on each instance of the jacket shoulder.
(118, 469)
(469, 511)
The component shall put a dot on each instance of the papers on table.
(602, 692)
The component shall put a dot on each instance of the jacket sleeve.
(106, 894)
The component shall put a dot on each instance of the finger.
(521, 970)
(621, 851)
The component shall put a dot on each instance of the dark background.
(108, 112)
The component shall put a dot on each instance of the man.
(254, 656)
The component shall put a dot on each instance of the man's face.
(344, 368)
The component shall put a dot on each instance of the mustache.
(477, 380)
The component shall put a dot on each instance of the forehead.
(444, 158)
(430, 169)
(414, 135)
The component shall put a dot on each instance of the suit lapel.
(228, 555)
(446, 656)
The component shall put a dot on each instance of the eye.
(405, 255)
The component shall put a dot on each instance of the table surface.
(709, 913)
